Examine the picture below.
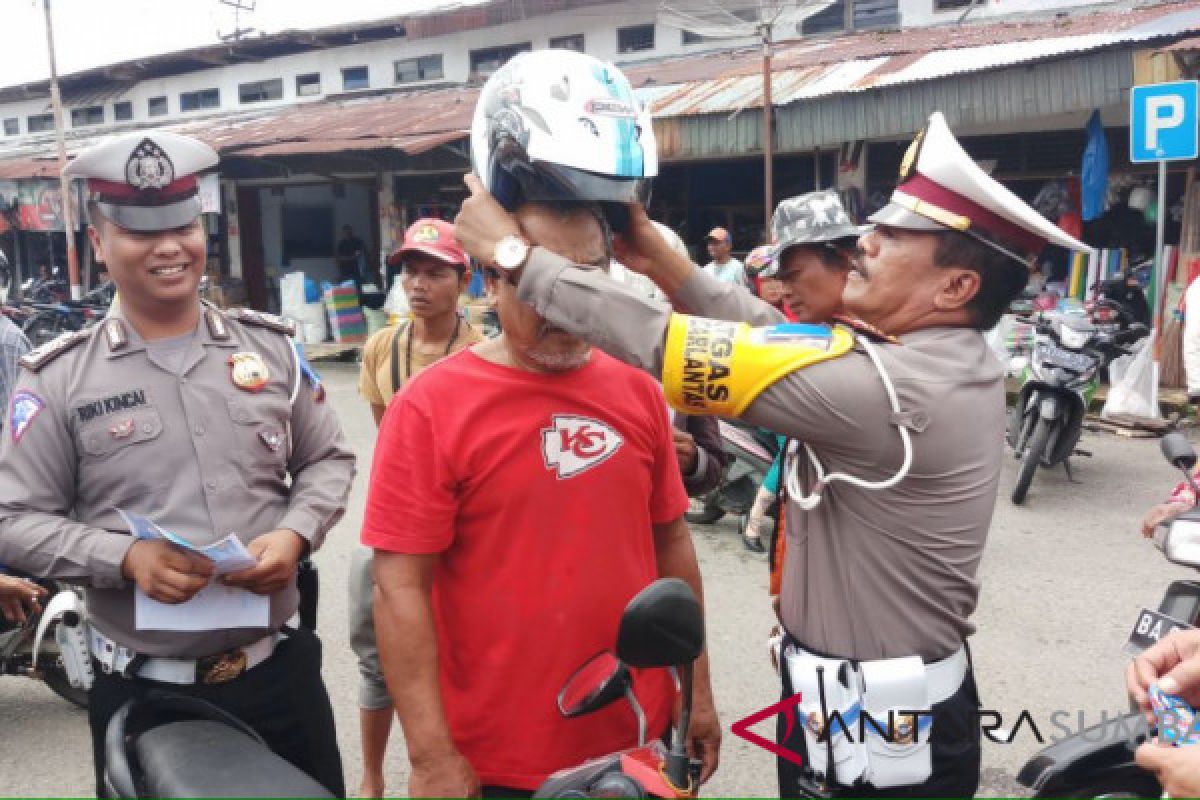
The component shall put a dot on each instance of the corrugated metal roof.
(805, 70)
(403, 121)
(412, 123)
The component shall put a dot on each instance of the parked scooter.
(48, 321)
(1057, 385)
(28, 649)
(753, 453)
(1099, 761)
(663, 626)
(171, 745)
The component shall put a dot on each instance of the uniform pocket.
(113, 433)
(268, 442)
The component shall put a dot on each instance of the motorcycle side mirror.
(663, 626)
(1181, 544)
(1178, 451)
(600, 681)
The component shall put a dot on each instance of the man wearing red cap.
(891, 494)
(434, 271)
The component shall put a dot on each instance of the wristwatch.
(511, 252)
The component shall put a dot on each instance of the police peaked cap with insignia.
(145, 180)
(816, 218)
(942, 188)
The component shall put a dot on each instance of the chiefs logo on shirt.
(576, 444)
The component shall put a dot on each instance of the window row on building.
(420, 69)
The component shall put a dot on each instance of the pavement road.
(1063, 578)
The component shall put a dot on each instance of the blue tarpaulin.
(1094, 183)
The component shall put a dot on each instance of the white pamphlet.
(216, 606)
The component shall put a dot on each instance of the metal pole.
(1159, 264)
(768, 135)
(64, 182)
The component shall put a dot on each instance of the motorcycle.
(753, 453)
(46, 321)
(1099, 761)
(25, 649)
(1057, 385)
(663, 626)
(170, 745)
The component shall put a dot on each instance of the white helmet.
(557, 124)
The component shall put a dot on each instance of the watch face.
(510, 252)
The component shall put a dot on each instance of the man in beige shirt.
(434, 272)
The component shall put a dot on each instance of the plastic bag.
(1134, 382)
(291, 293)
(397, 301)
(998, 337)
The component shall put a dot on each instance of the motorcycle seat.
(203, 758)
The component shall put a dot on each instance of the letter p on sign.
(1163, 122)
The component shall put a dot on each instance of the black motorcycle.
(1099, 761)
(171, 745)
(1064, 371)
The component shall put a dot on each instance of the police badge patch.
(25, 406)
(149, 167)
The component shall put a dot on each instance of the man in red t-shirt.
(522, 492)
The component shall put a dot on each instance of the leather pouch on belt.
(897, 742)
(834, 728)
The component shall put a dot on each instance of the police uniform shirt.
(111, 423)
(868, 574)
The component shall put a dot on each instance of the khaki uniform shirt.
(375, 377)
(187, 448)
(868, 574)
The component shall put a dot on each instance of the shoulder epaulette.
(262, 320)
(865, 328)
(39, 357)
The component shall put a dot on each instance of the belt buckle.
(221, 667)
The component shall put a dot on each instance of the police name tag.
(1151, 626)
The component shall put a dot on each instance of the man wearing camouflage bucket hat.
(813, 251)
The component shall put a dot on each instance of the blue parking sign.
(1162, 122)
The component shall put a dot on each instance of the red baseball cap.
(433, 237)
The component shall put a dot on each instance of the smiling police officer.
(195, 418)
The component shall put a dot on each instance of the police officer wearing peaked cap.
(195, 418)
(902, 422)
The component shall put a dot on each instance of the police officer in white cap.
(891, 495)
(208, 423)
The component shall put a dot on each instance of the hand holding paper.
(173, 581)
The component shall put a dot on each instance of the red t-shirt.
(539, 491)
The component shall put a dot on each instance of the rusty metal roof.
(806, 69)
(409, 122)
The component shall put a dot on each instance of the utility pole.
(64, 182)
(768, 132)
